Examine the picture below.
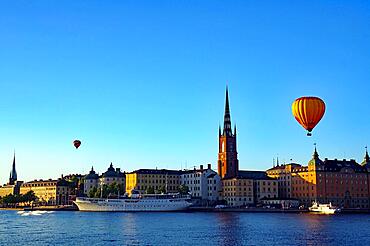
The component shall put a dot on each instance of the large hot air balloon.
(308, 111)
(77, 143)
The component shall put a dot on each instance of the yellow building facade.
(7, 190)
(158, 180)
(249, 187)
(10, 189)
(50, 192)
(237, 191)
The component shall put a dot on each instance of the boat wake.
(34, 213)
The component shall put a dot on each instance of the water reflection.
(229, 229)
(77, 228)
(130, 227)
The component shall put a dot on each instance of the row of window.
(170, 188)
(234, 189)
(239, 199)
(158, 181)
(230, 183)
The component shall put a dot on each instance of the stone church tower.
(228, 164)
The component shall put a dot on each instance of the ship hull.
(131, 205)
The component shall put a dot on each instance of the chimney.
(118, 170)
(201, 167)
(209, 166)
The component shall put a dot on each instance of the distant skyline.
(142, 84)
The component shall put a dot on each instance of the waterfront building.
(112, 176)
(239, 188)
(214, 187)
(78, 180)
(344, 183)
(50, 192)
(237, 191)
(157, 180)
(204, 184)
(283, 174)
(93, 180)
(249, 187)
(10, 189)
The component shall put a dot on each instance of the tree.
(162, 190)
(9, 199)
(28, 197)
(183, 189)
(112, 189)
(121, 189)
(92, 192)
(149, 190)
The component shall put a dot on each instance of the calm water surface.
(84, 228)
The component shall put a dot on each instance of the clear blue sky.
(142, 83)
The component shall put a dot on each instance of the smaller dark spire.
(92, 168)
(366, 158)
(273, 162)
(277, 161)
(315, 154)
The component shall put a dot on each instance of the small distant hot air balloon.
(308, 111)
(77, 143)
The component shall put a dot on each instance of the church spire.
(228, 163)
(13, 173)
(366, 158)
(227, 119)
(315, 154)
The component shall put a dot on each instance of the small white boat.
(324, 208)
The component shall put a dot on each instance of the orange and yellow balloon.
(308, 111)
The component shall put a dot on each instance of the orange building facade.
(344, 183)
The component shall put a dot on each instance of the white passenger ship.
(135, 203)
(324, 208)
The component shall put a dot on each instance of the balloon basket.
(309, 134)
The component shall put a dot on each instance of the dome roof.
(92, 174)
(111, 172)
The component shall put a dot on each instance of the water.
(191, 228)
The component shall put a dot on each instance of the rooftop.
(157, 171)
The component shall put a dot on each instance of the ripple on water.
(76, 228)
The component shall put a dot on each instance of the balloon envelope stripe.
(308, 111)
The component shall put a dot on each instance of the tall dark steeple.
(228, 164)
(13, 173)
(227, 119)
